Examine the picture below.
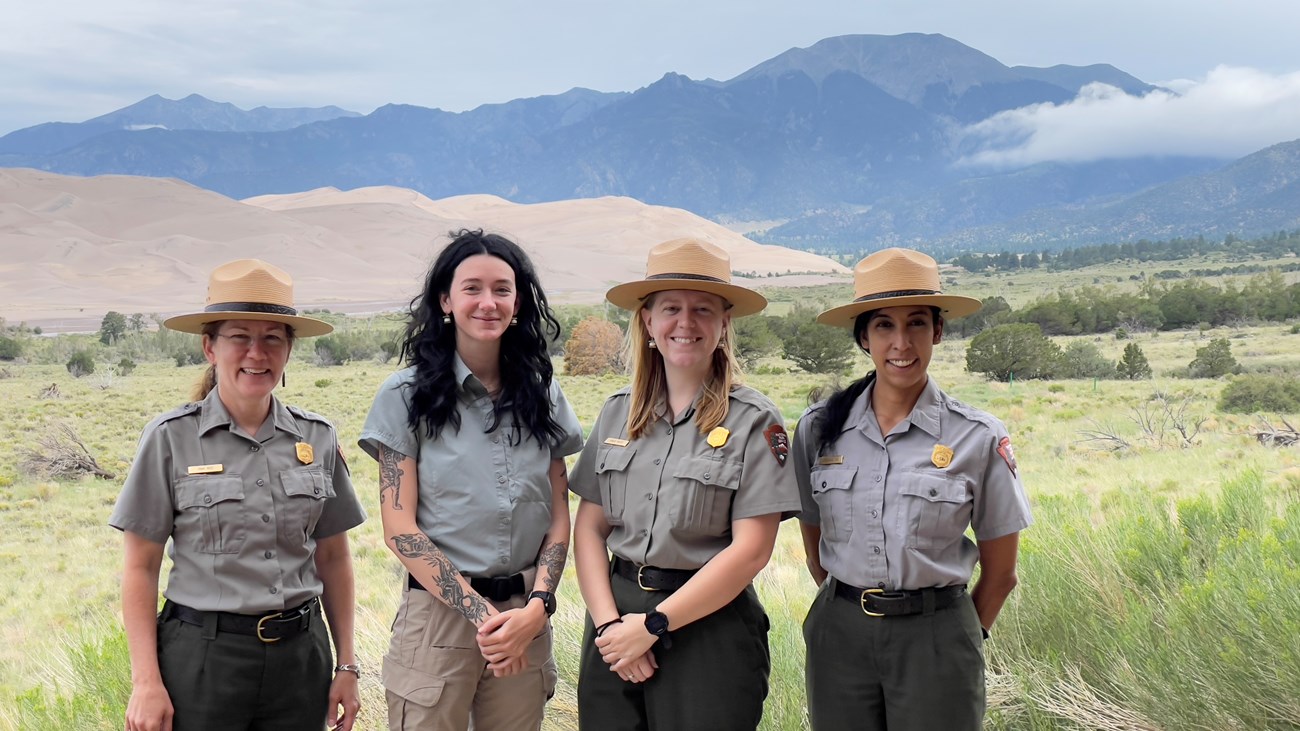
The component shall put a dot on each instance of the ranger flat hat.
(895, 278)
(249, 289)
(688, 264)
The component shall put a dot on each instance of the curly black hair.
(526, 371)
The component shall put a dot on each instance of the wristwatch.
(548, 600)
(656, 623)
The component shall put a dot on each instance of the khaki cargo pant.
(436, 680)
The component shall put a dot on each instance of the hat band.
(698, 277)
(897, 293)
(260, 308)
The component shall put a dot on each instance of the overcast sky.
(70, 60)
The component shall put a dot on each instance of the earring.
(284, 379)
(446, 319)
(514, 321)
(722, 343)
(652, 344)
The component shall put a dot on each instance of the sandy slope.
(73, 248)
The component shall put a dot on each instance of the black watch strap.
(656, 623)
(548, 600)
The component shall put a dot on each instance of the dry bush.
(594, 348)
(60, 454)
(51, 391)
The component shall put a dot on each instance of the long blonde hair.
(650, 382)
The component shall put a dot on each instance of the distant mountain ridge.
(847, 144)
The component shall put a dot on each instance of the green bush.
(323, 383)
(1257, 393)
(125, 366)
(1013, 351)
(10, 348)
(1133, 366)
(82, 363)
(1082, 359)
(1213, 360)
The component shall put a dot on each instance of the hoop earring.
(652, 344)
(514, 321)
(446, 319)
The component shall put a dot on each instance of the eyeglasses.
(269, 343)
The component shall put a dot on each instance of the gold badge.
(718, 437)
(833, 459)
(304, 452)
(615, 442)
(941, 456)
(207, 469)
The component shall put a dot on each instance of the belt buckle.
(263, 620)
(862, 601)
(641, 583)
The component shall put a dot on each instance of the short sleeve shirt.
(484, 499)
(894, 508)
(243, 512)
(670, 496)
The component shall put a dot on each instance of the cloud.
(1232, 112)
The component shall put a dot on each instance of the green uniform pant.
(713, 678)
(922, 672)
(220, 681)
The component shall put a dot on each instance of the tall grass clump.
(88, 690)
(1143, 612)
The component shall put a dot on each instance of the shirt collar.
(926, 414)
(465, 378)
(213, 414)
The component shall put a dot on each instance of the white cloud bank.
(1231, 113)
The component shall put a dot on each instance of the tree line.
(1275, 245)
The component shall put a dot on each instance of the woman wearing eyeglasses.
(257, 501)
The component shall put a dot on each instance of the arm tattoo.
(417, 545)
(390, 475)
(550, 564)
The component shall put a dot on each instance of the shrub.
(10, 348)
(1257, 393)
(1018, 350)
(1213, 360)
(1295, 329)
(595, 347)
(816, 348)
(331, 351)
(1084, 360)
(755, 340)
(1133, 366)
(125, 366)
(112, 328)
(82, 363)
(323, 383)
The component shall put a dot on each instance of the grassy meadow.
(1158, 586)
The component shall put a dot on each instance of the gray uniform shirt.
(670, 496)
(484, 501)
(894, 508)
(244, 523)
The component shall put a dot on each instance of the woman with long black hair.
(471, 439)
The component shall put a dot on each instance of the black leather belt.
(270, 627)
(496, 588)
(881, 603)
(651, 578)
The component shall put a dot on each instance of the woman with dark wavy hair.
(471, 439)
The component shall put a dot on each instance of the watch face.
(656, 623)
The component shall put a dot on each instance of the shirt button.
(602, 465)
(260, 483)
(266, 519)
(933, 492)
(268, 554)
(670, 430)
(706, 475)
(880, 585)
(875, 549)
(254, 448)
(823, 484)
(875, 513)
(877, 478)
(649, 496)
(644, 531)
(657, 460)
(207, 499)
(315, 490)
(501, 480)
(275, 590)
(496, 440)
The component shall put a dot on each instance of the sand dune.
(74, 248)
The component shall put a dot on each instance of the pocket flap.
(833, 479)
(415, 686)
(716, 472)
(935, 489)
(306, 482)
(614, 459)
(204, 491)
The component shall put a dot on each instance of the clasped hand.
(503, 639)
(625, 647)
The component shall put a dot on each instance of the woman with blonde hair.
(683, 480)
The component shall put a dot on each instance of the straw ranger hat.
(249, 289)
(688, 264)
(894, 278)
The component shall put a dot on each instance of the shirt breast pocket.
(937, 509)
(611, 475)
(706, 488)
(211, 511)
(832, 491)
(306, 491)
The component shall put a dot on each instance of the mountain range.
(842, 146)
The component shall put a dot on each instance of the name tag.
(833, 459)
(617, 442)
(207, 469)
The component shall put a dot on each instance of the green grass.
(1157, 585)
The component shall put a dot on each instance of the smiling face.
(482, 299)
(249, 357)
(686, 326)
(901, 342)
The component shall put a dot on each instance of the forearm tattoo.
(550, 564)
(390, 476)
(417, 545)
